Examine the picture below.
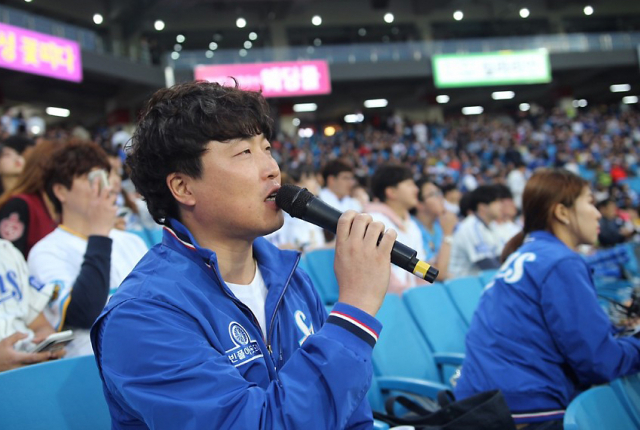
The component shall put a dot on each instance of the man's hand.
(362, 266)
(12, 359)
(101, 211)
(448, 222)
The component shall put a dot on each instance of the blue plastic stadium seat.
(64, 394)
(465, 294)
(319, 263)
(597, 409)
(486, 276)
(628, 391)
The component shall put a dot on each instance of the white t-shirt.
(21, 298)
(505, 231)
(301, 234)
(409, 234)
(343, 205)
(254, 296)
(473, 241)
(56, 261)
(516, 182)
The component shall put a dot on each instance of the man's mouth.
(271, 197)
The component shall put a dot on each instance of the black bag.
(484, 411)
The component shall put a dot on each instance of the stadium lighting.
(56, 111)
(98, 19)
(503, 95)
(175, 55)
(362, 32)
(472, 110)
(253, 35)
(620, 88)
(27, 1)
(158, 25)
(388, 17)
(213, 46)
(524, 13)
(305, 132)
(353, 118)
(241, 22)
(588, 10)
(243, 52)
(209, 54)
(579, 103)
(305, 107)
(376, 103)
(180, 38)
(628, 100)
(524, 107)
(442, 99)
(329, 131)
(316, 20)
(177, 47)
(458, 15)
(296, 122)
(247, 44)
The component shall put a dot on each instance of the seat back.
(64, 394)
(465, 294)
(596, 409)
(628, 391)
(319, 263)
(437, 318)
(401, 350)
(486, 276)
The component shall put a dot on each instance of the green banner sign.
(494, 68)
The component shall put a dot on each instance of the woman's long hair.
(36, 165)
(544, 190)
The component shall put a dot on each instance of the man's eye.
(246, 151)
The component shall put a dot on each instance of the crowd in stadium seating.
(453, 192)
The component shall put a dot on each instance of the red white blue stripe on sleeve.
(354, 325)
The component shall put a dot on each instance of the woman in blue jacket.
(539, 334)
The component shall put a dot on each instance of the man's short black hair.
(503, 191)
(485, 194)
(388, 175)
(175, 129)
(603, 204)
(334, 168)
(421, 183)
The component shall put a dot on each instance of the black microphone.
(300, 203)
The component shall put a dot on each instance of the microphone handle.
(321, 214)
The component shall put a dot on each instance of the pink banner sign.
(39, 54)
(283, 79)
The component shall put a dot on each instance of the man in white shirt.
(475, 246)
(339, 180)
(84, 259)
(397, 193)
(516, 180)
(506, 226)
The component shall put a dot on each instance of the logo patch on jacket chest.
(245, 349)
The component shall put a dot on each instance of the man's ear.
(180, 186)
(390, 193)
(61, 192)
(561, 213)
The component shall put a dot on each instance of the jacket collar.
(276, 265)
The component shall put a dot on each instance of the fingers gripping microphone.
(300, 203)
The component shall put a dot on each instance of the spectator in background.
(476, 247)
(452, 196)
(339, 180)
(516, 180)
(539, 334)
(85, 257)
(26, 212)
(436, 225)
(612, 228)
(505, 227)
(21, 320)
(396, 194)
(11, 165)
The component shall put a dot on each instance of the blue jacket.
(177, 350)
(539, 333)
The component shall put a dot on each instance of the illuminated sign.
(283, 79)
(39, 54)
(495, 68)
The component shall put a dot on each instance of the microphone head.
(293, 200)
